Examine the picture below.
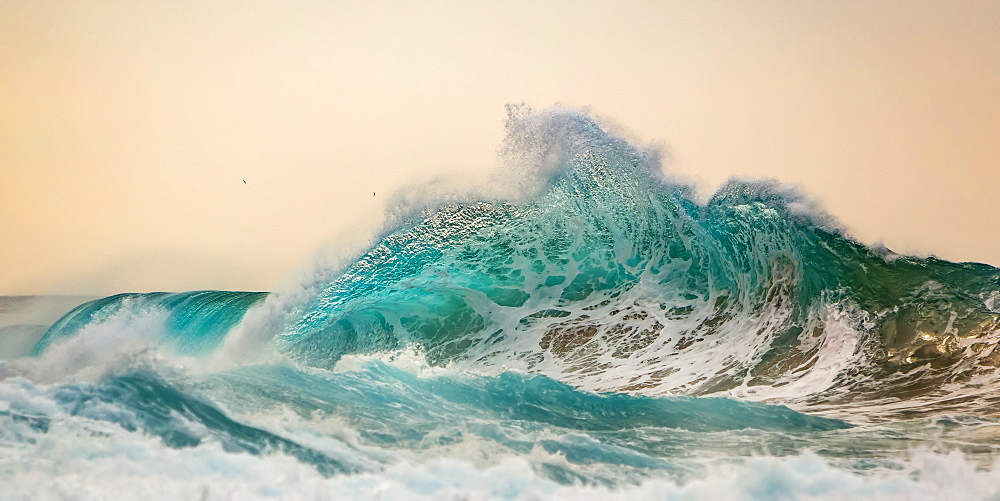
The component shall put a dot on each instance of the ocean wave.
(601, 332)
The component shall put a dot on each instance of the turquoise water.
(606, 335)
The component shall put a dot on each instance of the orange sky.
(127, 128)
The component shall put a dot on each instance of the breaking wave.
(608, 331)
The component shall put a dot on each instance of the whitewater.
(591, 331)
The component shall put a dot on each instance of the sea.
(599, 331)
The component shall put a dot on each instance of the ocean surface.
(597, 334)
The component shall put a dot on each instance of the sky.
(221, 145)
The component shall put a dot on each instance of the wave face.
(614, 281)
(606, 335)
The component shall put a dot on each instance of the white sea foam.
(69, 463)
(412, 359)
(632, 342)
(837, 349)
(992, 302)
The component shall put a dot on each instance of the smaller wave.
(195, 322)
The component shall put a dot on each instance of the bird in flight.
(244, 181)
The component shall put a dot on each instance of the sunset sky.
(127, 129)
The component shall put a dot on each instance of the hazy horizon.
(164, 146)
